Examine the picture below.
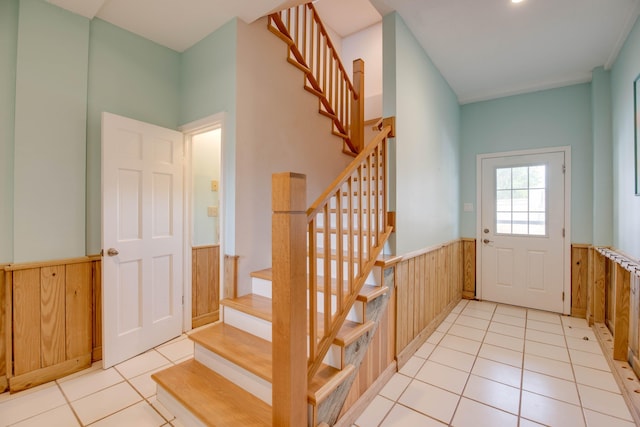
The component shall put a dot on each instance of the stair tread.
(326, 380)
(255, 305)
(367, 292)
(244, 304)
(216, 401)
(242, 348)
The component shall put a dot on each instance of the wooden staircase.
(287, 353)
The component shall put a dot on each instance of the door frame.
(566, 250)
(189, 130)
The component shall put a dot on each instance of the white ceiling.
(483, 48)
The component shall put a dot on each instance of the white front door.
(142, 236)
(522, 230)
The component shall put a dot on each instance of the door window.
(521, 200)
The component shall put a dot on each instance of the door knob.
(485, 241)
(486, 230)
(112, 252)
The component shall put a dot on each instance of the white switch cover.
(468, 207)
(212, 211)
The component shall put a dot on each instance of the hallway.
(468, 373)
(496, 365)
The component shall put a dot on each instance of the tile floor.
(496, 365)
(121, 396)
(486, 365)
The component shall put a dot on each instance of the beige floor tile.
(528, 423)
(395, 387)
(139, 415)
(153, 401)
(460, 306)
(474, 414)
(496, 371)
(442, 376)
(604, 402)
(144, 384)
(589, 346)
(461, 344)
(492, 393)
(412, 366)
(177, 350)
(475, 312)
(549, 367)
(90, 383)
(509, 330)
(549, 411)
(472, 322)
(435, 337)
(590, 360)
(596, 378)
(502, 355)
(553, 387)
(401, 416)
(546, 350)
(574, 322)
(596, 419)
(545, 337)
(444, 327)
(543, 316)
(504, 341)
(483, 305)
(375, 412)
(580, 333)
(452, 358)
(425, 350)
(105, 402)
(467, 332)
(511, 310)
(552, 328)
(30, 403)
(509, 320)
(143, 363)
(430, 400)
(62, 416)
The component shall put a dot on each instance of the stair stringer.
(329, 410)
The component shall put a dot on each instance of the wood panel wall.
(580, 268)
(205, 290)
(469, 268)
(5, 341)
(428, 284)
(50, 327)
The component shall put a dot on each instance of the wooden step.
(214, 400)
(325, 382)
(255, 305)
(366, 294)
(247, 304)
(243, 349)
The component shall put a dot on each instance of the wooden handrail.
(357, 201)
(311, 50)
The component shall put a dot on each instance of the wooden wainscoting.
(205, 289)
(5, 341)
(429, 284)
(469, 268)
(49, 328)
(579, 279)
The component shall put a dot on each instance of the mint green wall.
(50, 127)
(8, 57)
(602, 157)
(427, 143)
(626, 213)
(550, 118)
(207, 87)
(132, 77)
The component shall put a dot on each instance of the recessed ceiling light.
(517, 1)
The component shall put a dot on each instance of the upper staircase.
(287, 353)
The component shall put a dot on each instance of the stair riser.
(262, 329)
(182, 414)
(234, 373)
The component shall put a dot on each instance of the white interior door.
(142, 236)
(522, 230)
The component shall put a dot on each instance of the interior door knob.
(485, 241)
(112, 252)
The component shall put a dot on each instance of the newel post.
(357, 109)
(289, 334)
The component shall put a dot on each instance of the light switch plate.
(212, 211)
(214, 185)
